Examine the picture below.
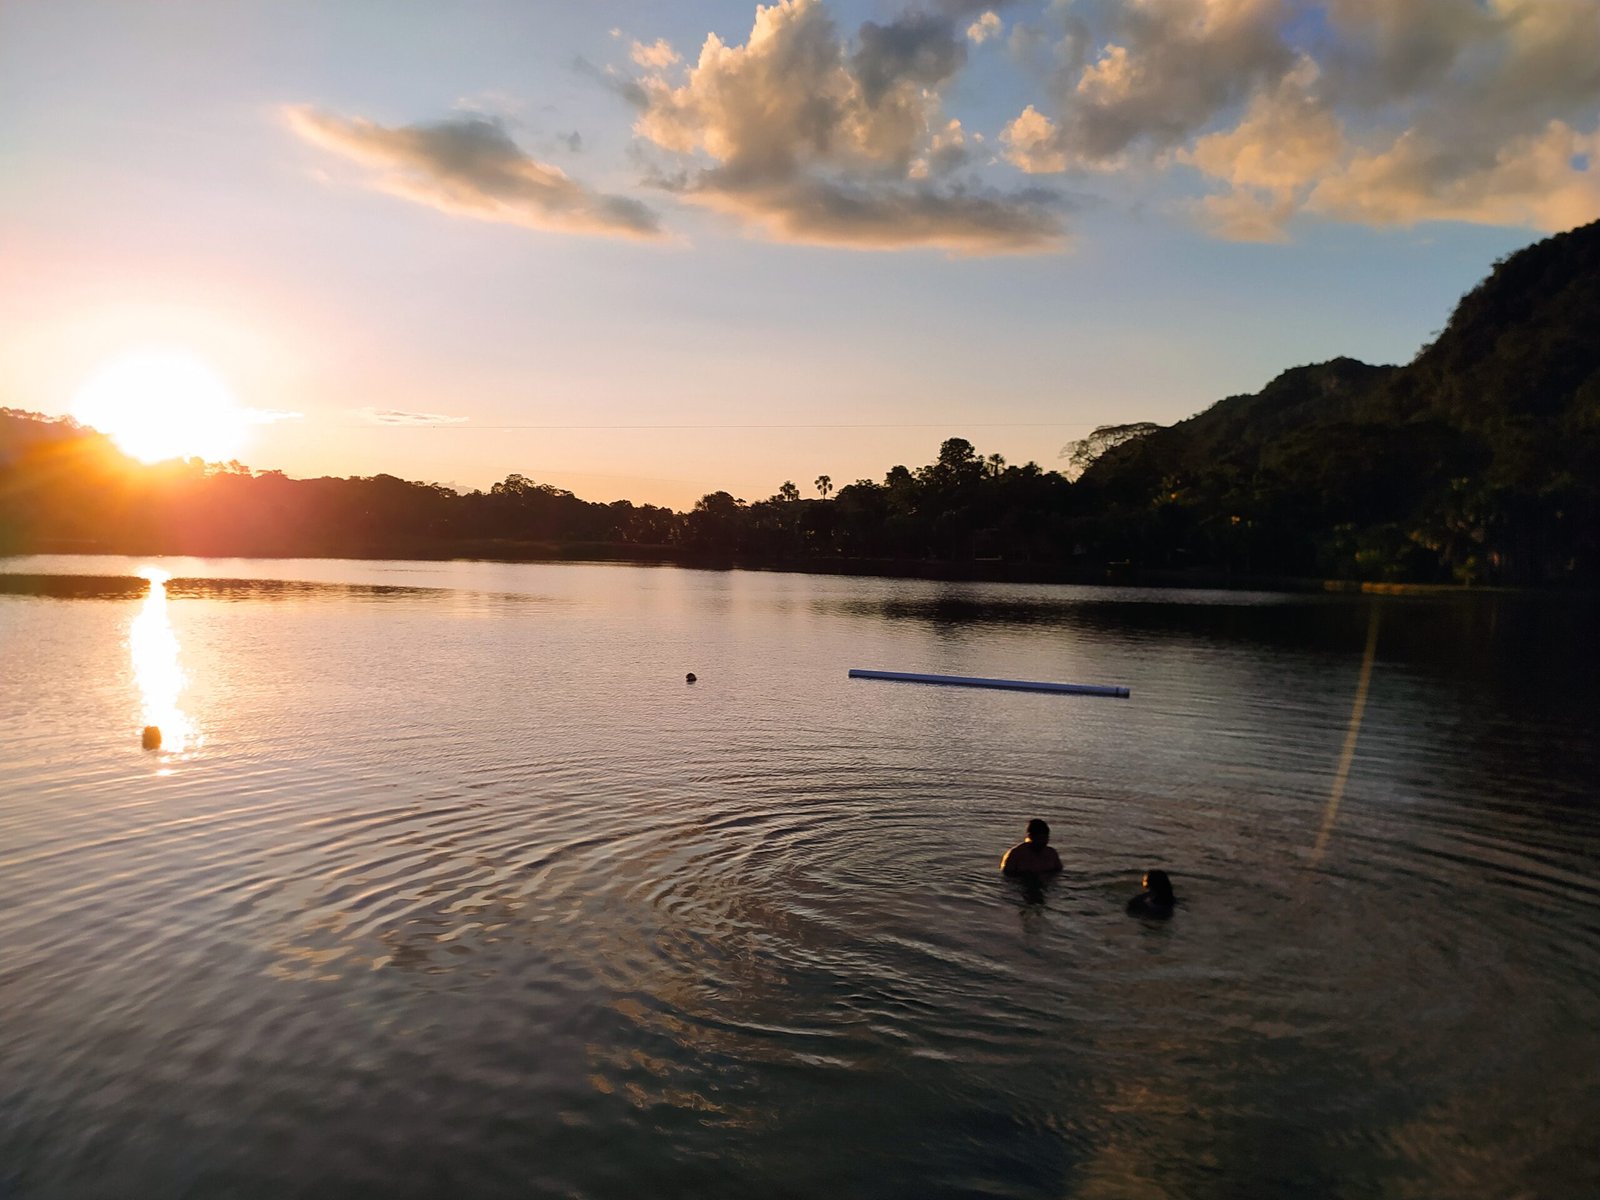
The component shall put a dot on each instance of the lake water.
(446, 883)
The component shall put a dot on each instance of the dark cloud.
(1167, 70)
(612, 81)
(470, 166)
(917, 48)
(832, 212)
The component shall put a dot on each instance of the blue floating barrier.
(1015, 685)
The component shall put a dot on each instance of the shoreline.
(932, 570)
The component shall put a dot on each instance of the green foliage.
(1477, 462)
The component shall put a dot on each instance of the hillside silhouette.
(1477, 462)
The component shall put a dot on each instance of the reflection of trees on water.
(131, 587)
(1542, 633)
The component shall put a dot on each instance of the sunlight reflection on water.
(466, 891)
(156, 670)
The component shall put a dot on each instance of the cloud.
(469, 166)
(1287, 141)
(658, 56)
(811, 140)
(960, 220)
(1380, 112)
(612, 80)
(984, 28)
(1032, 143)
(947, 151)
(916, 50)
(1377, 112)
(1165, 70)
(1394, 50)
(1450, 111)
(1529, 181)
(392, 416)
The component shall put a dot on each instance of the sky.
(650, 250)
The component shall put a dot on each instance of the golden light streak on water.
(1352, 734)
(161, 681)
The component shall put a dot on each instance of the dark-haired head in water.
(1156, 900)
(1032, 856)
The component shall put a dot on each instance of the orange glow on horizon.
(157, 405)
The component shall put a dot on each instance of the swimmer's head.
(1159, 886)
(1038, 832)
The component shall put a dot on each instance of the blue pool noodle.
(1016, 685)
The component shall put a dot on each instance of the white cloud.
(658, 56)
(984, 28)
(1286, 141)
(393, 416)
(809, 139)
(1033, 144)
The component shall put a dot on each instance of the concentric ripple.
(457, 888)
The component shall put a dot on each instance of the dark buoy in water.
(689, 678)
(152, 737)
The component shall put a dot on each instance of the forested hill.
(1479, 461)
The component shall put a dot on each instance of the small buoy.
(689, 678)
(152, 737)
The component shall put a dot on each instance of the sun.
(160, 404)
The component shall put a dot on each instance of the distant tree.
(824, 485)
(1081, 454)
(717, 521)
(788, 491)
(956, 453)
(958, 464)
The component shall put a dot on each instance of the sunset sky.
(652, 249)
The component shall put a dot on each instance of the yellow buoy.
(152, 737)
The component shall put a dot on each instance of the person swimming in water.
(1157, 900)
(1032, 857)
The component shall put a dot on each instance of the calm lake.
(445, 883)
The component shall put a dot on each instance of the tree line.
(1478, 462)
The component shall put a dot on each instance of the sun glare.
(157, 405)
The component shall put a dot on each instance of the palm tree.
(824, 485)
